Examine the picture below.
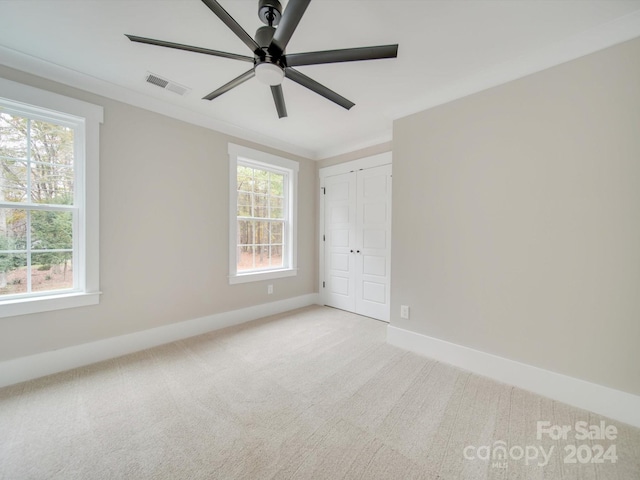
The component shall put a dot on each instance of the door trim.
(378, 160)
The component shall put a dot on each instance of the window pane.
(51, 230)
(262, 256)
(51, 143)
(261, 181)
(276, 256)
(261, 203)
(13, 273)
(13, 229)
(13, 181)
(51, 183)
(276, 210)
(262, 233)
(244, 204)
(245, 232)
(245, 179)
(245, 258)
(277, 213)
(51, 271)
(13, 136)
(276, 186)
(276, 232)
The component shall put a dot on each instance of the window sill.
(258, 276)
(25, 306)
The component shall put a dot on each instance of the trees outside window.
(36, 205)
(261, 218)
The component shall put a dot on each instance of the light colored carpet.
(312, 394)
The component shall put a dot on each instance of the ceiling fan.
(270, 62)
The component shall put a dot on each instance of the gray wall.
(163, 231)
(516, 219)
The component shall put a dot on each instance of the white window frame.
(249, 156)
(85, 119)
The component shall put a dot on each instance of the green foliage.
(9, 261)
(50, 231)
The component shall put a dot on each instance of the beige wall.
(163, 231)
(516, 219)
(515, 223)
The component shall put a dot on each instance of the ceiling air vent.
(167, 84)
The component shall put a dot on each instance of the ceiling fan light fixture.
(269, 73)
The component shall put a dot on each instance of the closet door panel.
(340, 240)
(373, 233)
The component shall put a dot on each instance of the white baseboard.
(33, 366)
(611, 403)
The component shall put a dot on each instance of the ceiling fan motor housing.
(264, 35)
(269, 69)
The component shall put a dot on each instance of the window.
(48, 201)
(262, 225)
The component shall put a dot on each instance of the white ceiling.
(448, 49)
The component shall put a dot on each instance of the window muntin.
(262, 215)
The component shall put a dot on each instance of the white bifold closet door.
(357, 222)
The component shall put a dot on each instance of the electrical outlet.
(269, 289)
(404, 311)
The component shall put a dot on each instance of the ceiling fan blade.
(232, 84)
(229, 21)
(278, 97)
(288, 23)
(188, 48)
(344, 55)
(311, 84)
